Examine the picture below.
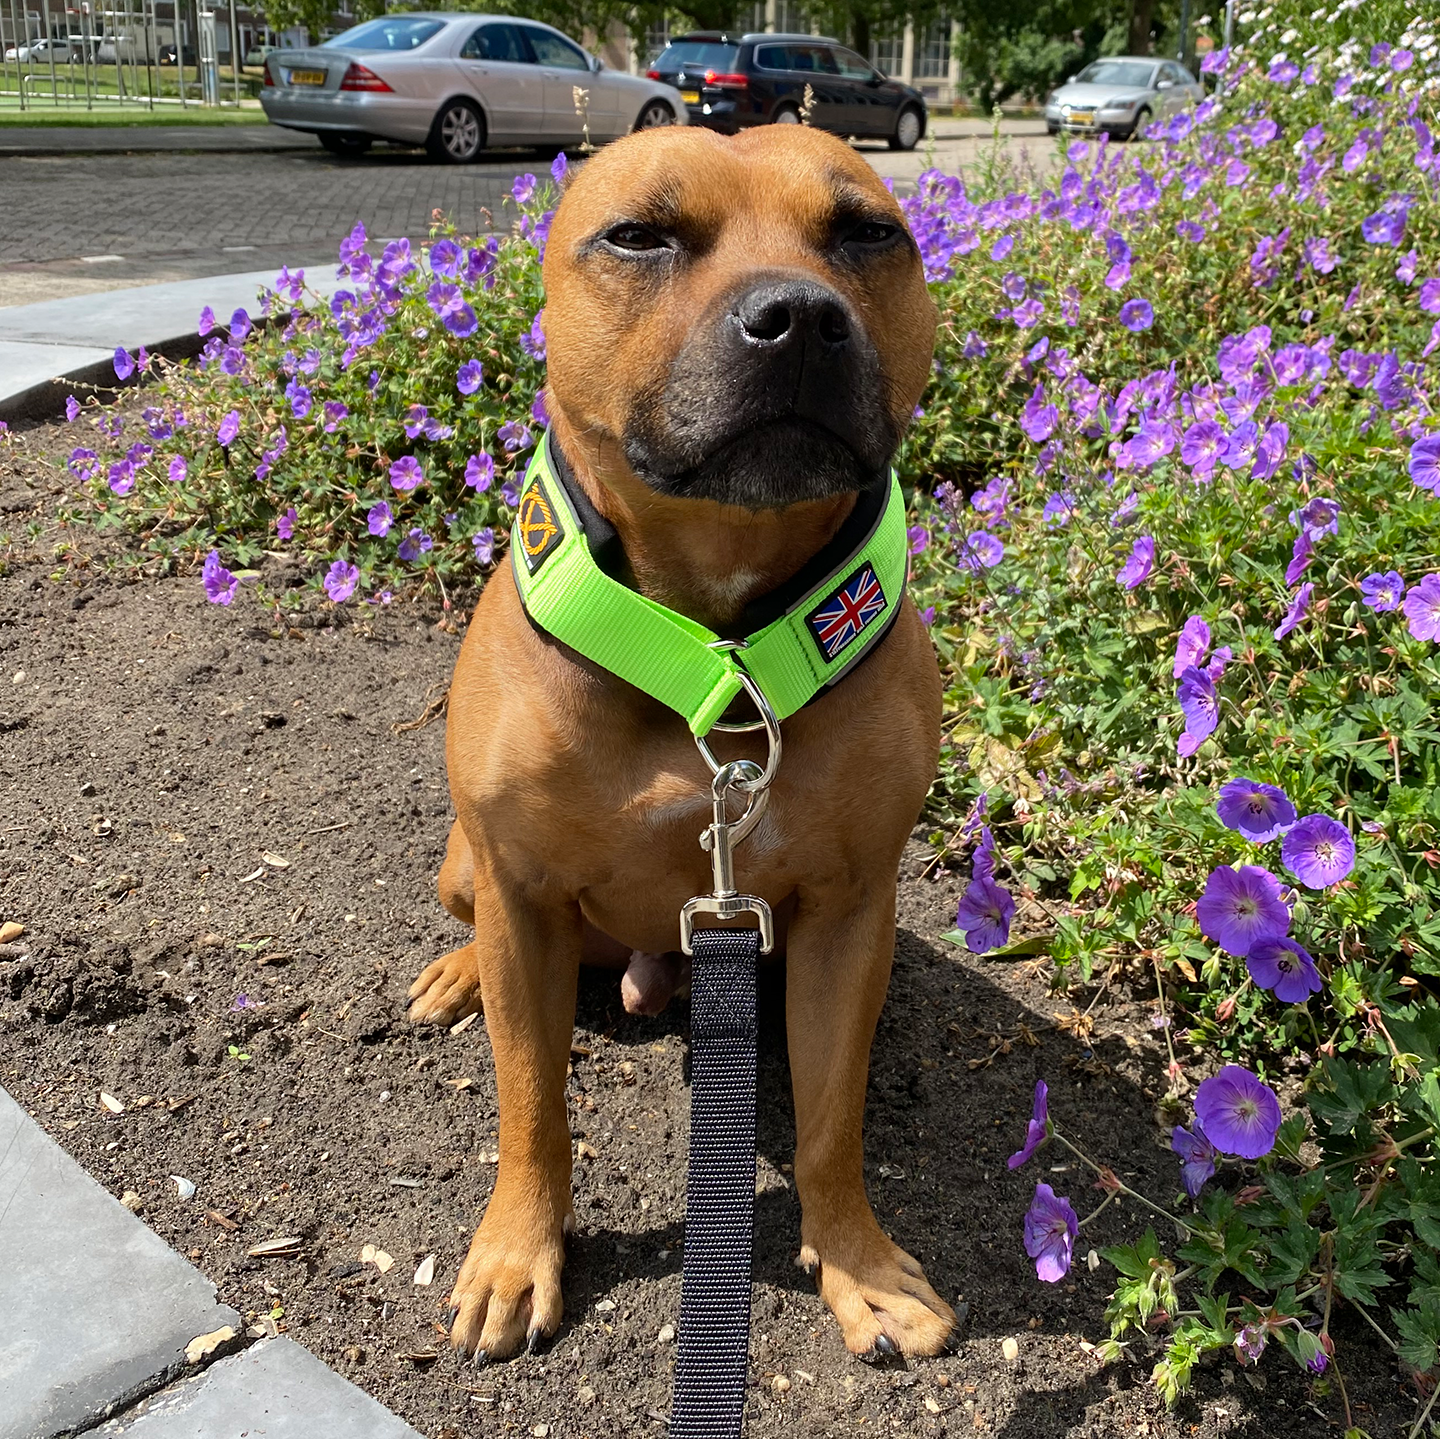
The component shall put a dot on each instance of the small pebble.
(586, 1395)
(1011, 1350)
(10, 931)
(780, 1384)
(666, 1334)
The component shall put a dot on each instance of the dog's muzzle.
(776, 397)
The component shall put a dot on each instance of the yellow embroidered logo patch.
(537, 526)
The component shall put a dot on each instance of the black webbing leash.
(714, 1350)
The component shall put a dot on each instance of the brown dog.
(738, 333)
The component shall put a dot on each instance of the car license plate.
(307, 77)
(690, 97)
(1082, 117)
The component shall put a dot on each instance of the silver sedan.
(457, 84)
(1120, 96)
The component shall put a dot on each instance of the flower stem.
(1109, 1175)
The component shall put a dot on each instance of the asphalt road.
(77, 221)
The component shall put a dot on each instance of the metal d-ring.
(768, 721)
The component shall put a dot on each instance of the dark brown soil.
(156, 755)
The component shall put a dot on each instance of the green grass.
(68, 116)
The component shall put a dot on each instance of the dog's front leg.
(528, 953)
(837, 970)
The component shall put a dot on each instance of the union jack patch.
(838, 621)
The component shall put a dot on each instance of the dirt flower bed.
(221, 831)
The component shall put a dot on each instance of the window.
(553, 49)
(496, 42)
(698, 55)
(790, 18)
(393, 32)
(1173, 74)
(887, 52)
(804, 59)
(1129, 74)
(852, 67)
(932, 51)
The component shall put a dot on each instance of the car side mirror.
(1070, 80)
(596, 64)
(1165, 85)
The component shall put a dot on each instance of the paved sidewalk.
(77, 337)
(100, 1313)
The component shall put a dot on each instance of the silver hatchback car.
(456, 84)
(1120, 95)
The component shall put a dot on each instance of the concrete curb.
(106, 1325)
(57, 347)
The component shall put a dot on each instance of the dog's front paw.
(448, 988)
(878, 1293)
(508, 1292)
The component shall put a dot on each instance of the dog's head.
(747, 319)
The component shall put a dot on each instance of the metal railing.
(112, 59)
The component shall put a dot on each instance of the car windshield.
(394, 32)
(698, 55)
(1132, 74)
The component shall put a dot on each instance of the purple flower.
(229, 428)
(1036, 1130)
(179, 470)
(124, 364)
(533, 342)
(378, 519)
(1038, 419)
(335, 411)
(918, 537)
(1136, 570)
(484, 543)
(299, 396)
(981, 550)
(1202, 445)
(122, 477)
(232, 360)
(1318, 517)
(1240, 1113)
(1430, 297)
(1137, 315)
(469, 378)
(974, 347)
(984, 915)
(445, 258)
(523, 190)
(72, 408)
(1387, 225)
(239, 326)
(220, 584)
(1189, 230)
(1258, 811)
(1250, 1343)
(1422, 608)
(559, 169)
(1059, 508)
(1190, 648)
(1240, 907)
(1282, 966)
(514, 436)
(405, 473)
(414, 421)
(285, 525)
(1196, 696)
(1318, 851)
(540, 413)
(340, 581)
(1296, 612)
(206, 323)
(1424, 463)
(1197, 1157)
(1050, 1231)
(1300, 557)
(1383, 592)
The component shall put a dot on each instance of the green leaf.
(1353, 1090)
(1134, 1260)
(1419, 1334)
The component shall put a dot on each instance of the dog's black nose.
(790, 312)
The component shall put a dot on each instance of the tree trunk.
(1141, 14)
(860, 32)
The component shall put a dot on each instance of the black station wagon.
(730, 82)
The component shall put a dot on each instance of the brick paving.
(62, 207)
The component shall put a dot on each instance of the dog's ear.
(747, 319)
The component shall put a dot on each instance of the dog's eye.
(871, 232)
(631, 236)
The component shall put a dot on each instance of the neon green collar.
(801, 639)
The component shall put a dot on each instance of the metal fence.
(122, 54)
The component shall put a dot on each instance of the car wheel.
(348, 147)
(458, 134)
(785, 115)
(1141, 120)
(1051, 129)
(908, 128)
(654, 115)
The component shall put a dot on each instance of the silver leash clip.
(746, 778)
